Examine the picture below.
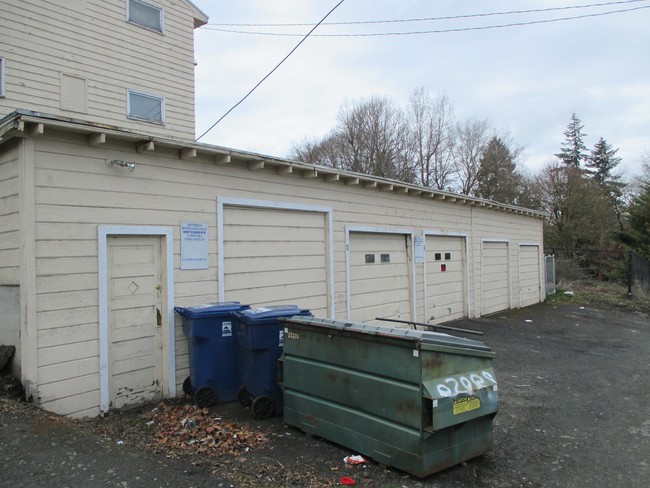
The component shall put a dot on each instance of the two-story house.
(111, 215)
(126, 64)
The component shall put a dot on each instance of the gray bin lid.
(422, 337)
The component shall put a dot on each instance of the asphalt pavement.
(574, 411)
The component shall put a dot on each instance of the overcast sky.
(525, 79)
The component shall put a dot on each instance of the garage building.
(111, 217)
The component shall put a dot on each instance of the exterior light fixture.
(130, 165)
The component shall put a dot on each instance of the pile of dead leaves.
(188, 428)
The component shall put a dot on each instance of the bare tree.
(431, 121)
(371, 136)
(471, 137)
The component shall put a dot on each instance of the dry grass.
(602, 295)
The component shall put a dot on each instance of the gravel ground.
(574, 411)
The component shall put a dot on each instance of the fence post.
(629, 274)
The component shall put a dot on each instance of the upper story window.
(149, 108)
(2, 77)
(145, 14)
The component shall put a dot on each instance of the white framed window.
(146, 107)
(145, 14)
(3, 68)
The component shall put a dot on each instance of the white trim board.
(105, 231)
(244, 202)
(377, 230)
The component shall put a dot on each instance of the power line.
(441, 31)
(428, 19)
(272, 71)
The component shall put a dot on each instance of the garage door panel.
(277, 295)
(275, 256)
(275, 234)
(272, 249)
(249, 264)
(258, 217)
(379, 285)
(371, 271)
(454, 288)
(261, 279)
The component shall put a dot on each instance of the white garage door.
(275, 257)
(530, 280)
(446, 271)
(495, 279)
(379, 277)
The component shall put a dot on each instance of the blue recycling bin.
(261, 339)
(215, 375)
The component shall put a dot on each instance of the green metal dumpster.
(415, 400)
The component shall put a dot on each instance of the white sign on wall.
(419, 249)
(194, 245)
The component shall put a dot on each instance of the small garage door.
(495, 279)
(379, 277)
(275, 257)
(446, 271)
(530, 280)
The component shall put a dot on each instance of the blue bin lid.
(210, 309)
(271, 312)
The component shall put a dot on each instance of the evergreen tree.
(574, 152)
(498, 178)
(600, 165)
(637, 234)
(601, 162)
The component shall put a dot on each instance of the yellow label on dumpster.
(466, 404)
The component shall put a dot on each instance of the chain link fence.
(626, 268)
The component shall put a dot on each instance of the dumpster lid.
(272, 312)
(210, 309)
(422, 336)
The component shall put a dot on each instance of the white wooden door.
(495, 277)
(530, 279)
(135, 319)
(446, 283)
(379, 277)
(275, 257)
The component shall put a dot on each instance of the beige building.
(109, 220)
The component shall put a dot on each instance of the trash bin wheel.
(263, 407)
(205, 397)
(244, 397)
(188, 389)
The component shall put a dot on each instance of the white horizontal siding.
(9, 216)
(40, 40)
